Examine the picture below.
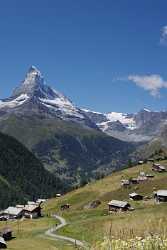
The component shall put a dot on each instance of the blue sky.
(104, 55)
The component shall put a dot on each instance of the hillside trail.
(52, 233)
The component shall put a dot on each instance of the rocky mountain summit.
(33, 95)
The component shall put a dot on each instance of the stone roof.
(117, 203)
(2, 241)
(134, 194)
(161, 193)
(13, 211)
(162, 167)
(30, 208)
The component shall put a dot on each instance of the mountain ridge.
(143, 126)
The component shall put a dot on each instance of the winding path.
(51, 233)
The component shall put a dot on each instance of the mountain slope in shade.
(22, 176)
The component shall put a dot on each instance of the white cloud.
(151, 83)
(163, 38)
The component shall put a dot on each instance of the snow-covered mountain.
(34, 95)
(126, 120)
(142, 126)
(104, 120)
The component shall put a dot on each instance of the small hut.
(13, 213)
(32, 211)
(58, 195)
(6, 233)
(140, 162)
(136, 197)
(2, 243)
(149, 175)
(160, 196)
(125, 183)
(116, 206)
(158, 168)
(134, 181)
(142, 178)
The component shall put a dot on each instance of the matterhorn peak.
(35, 88)
(33, 70)
(32, 82)
(34, 95)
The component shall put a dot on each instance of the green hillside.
(91, 225)
(22, 176)
(69, 150)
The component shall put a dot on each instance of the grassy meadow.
(95, 226)
(92, 225)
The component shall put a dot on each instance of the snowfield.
(15, 102)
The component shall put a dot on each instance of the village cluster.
(31, 210)
(120, 206)
(159, 195)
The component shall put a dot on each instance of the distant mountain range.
(143, 126)
(68, 141)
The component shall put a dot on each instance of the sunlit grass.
(147, 224)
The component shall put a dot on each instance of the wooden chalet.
(125, 183)
(3, 217)
(160, 196)
(2, 243)
(158, 168)
(32, 211)
(58, 195)
(140, 162)
(142, 178)
(149, 175)
(12, 213)
(134, 181)
(136, 197)
(116, 206)
(6, 233)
